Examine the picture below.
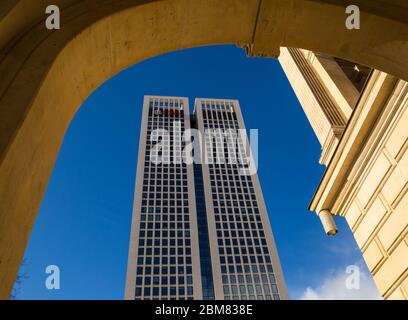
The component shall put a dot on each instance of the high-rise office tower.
(163, 256)
(200, 230)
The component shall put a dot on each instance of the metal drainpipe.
(328, 223)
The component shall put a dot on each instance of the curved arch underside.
(46, 75)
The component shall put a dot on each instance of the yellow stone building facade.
(363, 131)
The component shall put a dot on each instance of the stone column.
(324, 114)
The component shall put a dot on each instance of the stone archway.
(45, 76)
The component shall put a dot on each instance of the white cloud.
(334, 287)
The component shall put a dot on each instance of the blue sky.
(83, 225)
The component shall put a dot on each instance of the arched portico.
(46, 75)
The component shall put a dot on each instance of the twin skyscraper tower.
(199, 230)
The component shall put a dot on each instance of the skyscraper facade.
(163, 257)
(200, 228)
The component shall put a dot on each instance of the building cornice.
(369, 107)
